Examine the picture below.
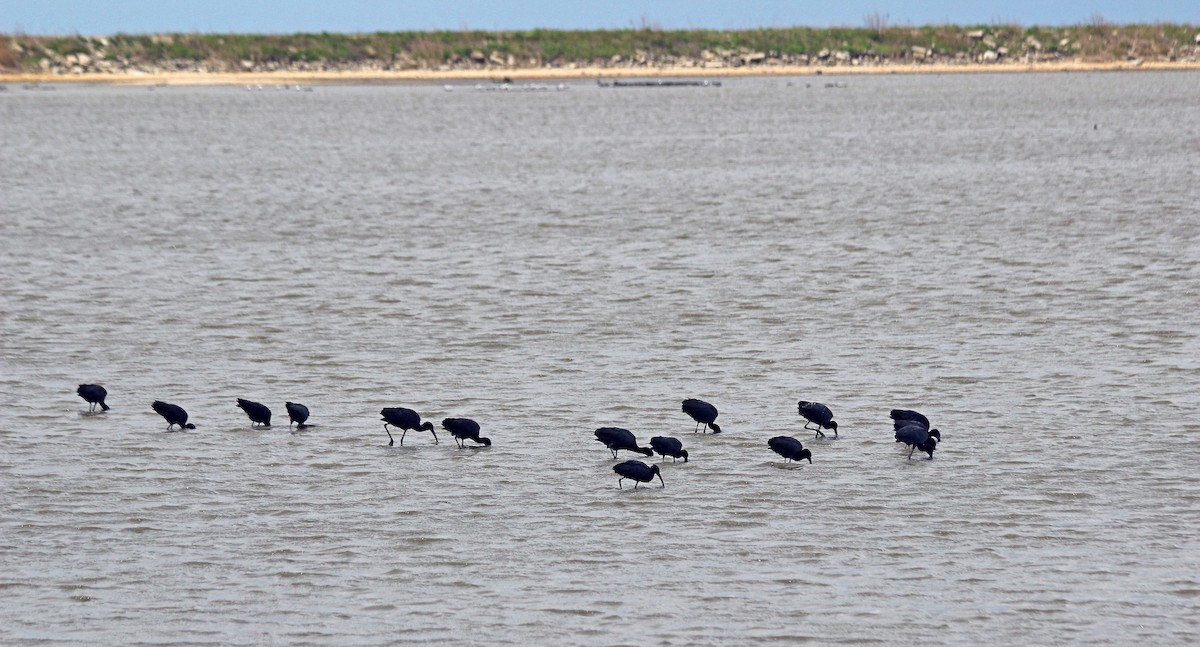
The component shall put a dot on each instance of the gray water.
(1016, 256)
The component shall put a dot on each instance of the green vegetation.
(878, 41)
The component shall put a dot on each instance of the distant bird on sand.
(616, 439)
(297, 413)
(93, 394)
(173, 414)
(913, 430)
(703, 413)
(639, 472)
(407, 420)
(666, 446)
(789, 448)
(464, 429)
(259, 413)
(818, 414)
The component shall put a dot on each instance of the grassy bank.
(625, 49)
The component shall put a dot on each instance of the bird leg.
(402, 435)
(391, 440)
(910, 452)
(619, 486)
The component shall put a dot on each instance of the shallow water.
(1015, 256)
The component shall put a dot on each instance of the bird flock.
(911, 428)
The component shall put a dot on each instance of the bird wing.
(911, 434)
(784, 443)
(815, 411)
(636, 470)
(908, 414)
(698, 409)
(666, 444)
(461, 426)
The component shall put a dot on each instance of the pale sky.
(96, 17)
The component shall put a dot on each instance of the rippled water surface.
(1015, 256)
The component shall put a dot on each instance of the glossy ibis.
(297, 413)
(789, 448)
(464, 429)
(667, 446)
(407, 420)
(639, 472)
(912, 429)
(916, 437)
(93, 394)
(916, 431)
(703, 413)
(818, 414)
(258, 413)
(615, 439)
(173, 414)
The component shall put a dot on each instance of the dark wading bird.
(173, 414)
(789, 448)
(818, 414)
(297, 413)
(258, 413)
(667, 446)
(93, 394)
(703, 413)
(913, 430)
(407, 420)
(615, 439)
(639, 472)
(464, 429)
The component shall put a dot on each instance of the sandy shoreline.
(575, 73)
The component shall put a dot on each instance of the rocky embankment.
(174, 54)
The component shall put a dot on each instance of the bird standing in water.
(703, 413)
(789, 448)
(616, 439)
(818, 414)
(258, 413)
(464, 429)
(639, 472)
(93, 394)
(173, 414)
(666, 446)
(297, 413)
(912, 429)
(407, 420)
